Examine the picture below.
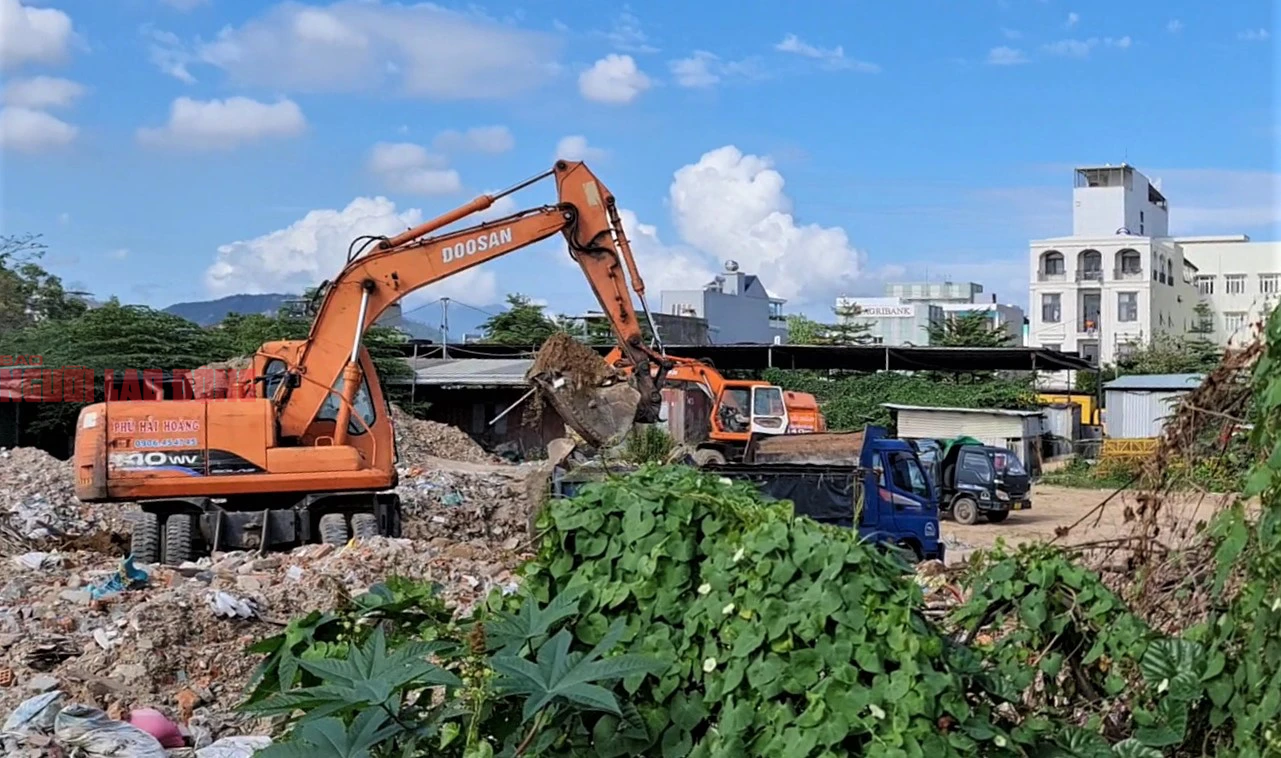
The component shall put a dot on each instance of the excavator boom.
(394, 267)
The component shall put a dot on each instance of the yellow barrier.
(1135, 448)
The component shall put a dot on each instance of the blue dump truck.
(865, 480)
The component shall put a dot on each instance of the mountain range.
(462, 321)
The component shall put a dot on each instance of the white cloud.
(1073, 18)
(32, 131)
(184, 5)
(575, 148)
(167, 53)
(366, 45)
(406, 167)
(1011, 33)
(33, 35)
(1254, 35)
(1221, 201)
(1005, 56)
(830, 58)
(42, 92)
(1174, 26)
(662, 266)
(1081, 48)
(225, 124)
(704, 69)
(315, 248)
(628, 36)
(614, 79)
(480, 139)
(119, 254)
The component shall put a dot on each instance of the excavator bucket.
(590, 396)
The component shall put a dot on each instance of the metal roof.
(985, 411)
(469, 372)
(1158, 382)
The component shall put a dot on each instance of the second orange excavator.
(308, 453)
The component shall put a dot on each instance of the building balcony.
(1089, 275)
(1127, 274)
(1088, 327)
(1051, 276)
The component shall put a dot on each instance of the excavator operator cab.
(733, 410)
(769, 412)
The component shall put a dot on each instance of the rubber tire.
(707, 456)
(144, 543)
(911, 550)
(965, 511)
(996, 517)
(333, 529)
(364, 525)
(180, 539)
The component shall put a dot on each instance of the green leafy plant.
(647, 443)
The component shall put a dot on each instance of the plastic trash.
(38, 560)
(35, 714)
(156, 724)
(229, 606)
(127, 577)
(234, 747)
(97, 735)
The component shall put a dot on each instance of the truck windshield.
(1008, 462)
(907, 475)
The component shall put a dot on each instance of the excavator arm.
(394, 267)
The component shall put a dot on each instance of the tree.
(28, 293)
(972, 329)
(802, 330)
(846, 330)
(523, 323)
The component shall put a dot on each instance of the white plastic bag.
(234, 747)
(34, 714)
(100, 736)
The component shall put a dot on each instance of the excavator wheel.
(708, 457)
(144, 544)
(180, 538)
(333, 529)
(364, 525)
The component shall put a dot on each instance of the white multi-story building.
(961, 298)
(1119, 278)
(1240, 279)
(891, 320)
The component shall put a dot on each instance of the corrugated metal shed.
(1018, 430)
(1062, 427)
(1137, 406)
(469, 372)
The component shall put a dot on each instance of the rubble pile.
(38, 506)
(177, 644)
(482, 504)
(416, 439)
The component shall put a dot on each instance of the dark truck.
(865, 480)
(975, 479)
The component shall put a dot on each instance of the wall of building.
(891, 321)
(1137, 414)
(1002, 316)
(736, 307)
(1239, 279)
(935, 292)
(1108, 198)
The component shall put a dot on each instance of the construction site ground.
(1055, 508)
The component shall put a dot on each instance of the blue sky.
(181, 149)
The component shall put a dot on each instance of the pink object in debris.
(155, 723)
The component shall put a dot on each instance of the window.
(976, 464)
(362, 405)
(776, 310)
(1234, 284)
(907, 475)
(1053, 263)
(1205, 284)
(1051, 308)
(1129, 262)
(733, 413)
(1089, 351)
(767, 401)
(1127, 306)
(1169, 272)
(1233, 321)
(1268, 284)
(1089, 266)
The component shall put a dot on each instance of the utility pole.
(444, 327)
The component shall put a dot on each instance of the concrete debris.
(492, 504)
(416, 439)
(38, 507)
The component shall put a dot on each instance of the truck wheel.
(364, 525)
(333, 529)
(180, 543)
(144, 544)
(708, 457)
(965, 511)
(996, 517)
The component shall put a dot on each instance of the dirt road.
(1053, 507)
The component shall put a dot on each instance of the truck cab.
(975, 479)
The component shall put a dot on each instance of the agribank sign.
(887, 311)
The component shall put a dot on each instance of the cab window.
(362, 406)
(274, 374)
(907, 475)
(976, 464)
(734, 408)
(767, 401)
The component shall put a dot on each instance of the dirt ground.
(1054, 507)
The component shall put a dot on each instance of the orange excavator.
(309, 455)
